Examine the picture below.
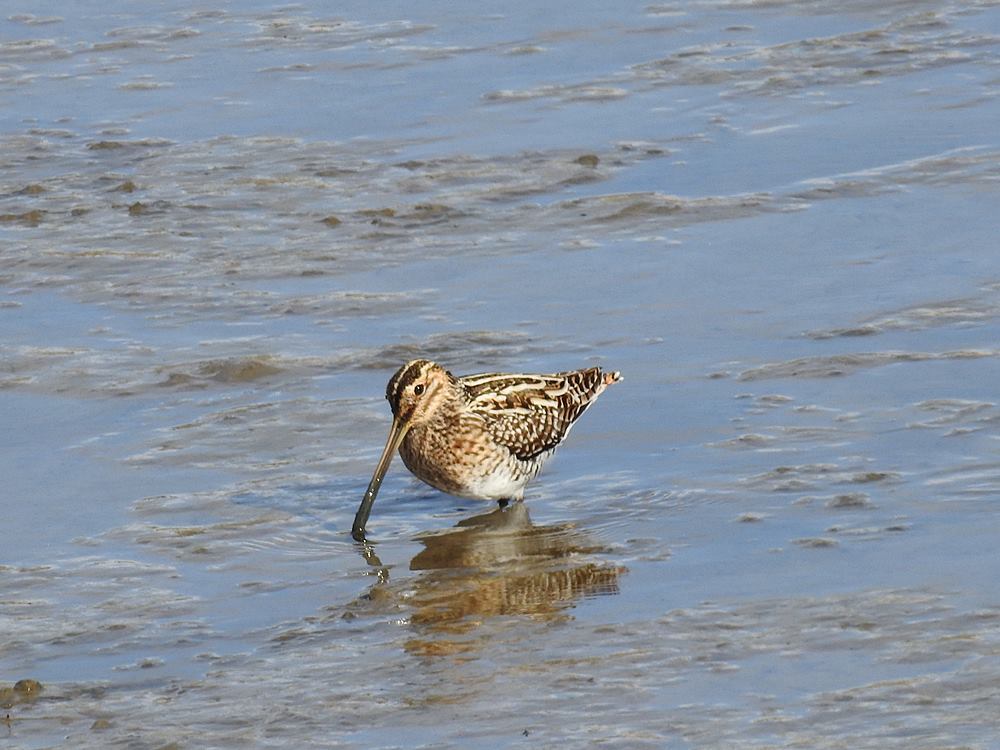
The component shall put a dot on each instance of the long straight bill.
(396, 433)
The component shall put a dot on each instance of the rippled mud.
(221, 231)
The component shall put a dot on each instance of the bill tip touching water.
(481, 436)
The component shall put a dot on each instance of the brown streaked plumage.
(479, 436)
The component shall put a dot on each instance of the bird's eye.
(418, 389)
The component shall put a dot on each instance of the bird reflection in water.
(492, 565)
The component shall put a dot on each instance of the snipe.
(479, 436)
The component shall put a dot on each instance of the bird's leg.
(503, 503)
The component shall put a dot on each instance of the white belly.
(499, 485)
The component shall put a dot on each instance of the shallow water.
(221, 230)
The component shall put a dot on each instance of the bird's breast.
(464, 462)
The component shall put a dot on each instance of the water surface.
(222, 229)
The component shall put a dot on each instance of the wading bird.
(479, 436)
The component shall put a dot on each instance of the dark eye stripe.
(402, 380)
(401, 374)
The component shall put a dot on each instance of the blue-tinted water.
(222, 229)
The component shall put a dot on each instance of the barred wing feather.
(531, 414)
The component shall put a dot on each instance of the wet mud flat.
(775, 219)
